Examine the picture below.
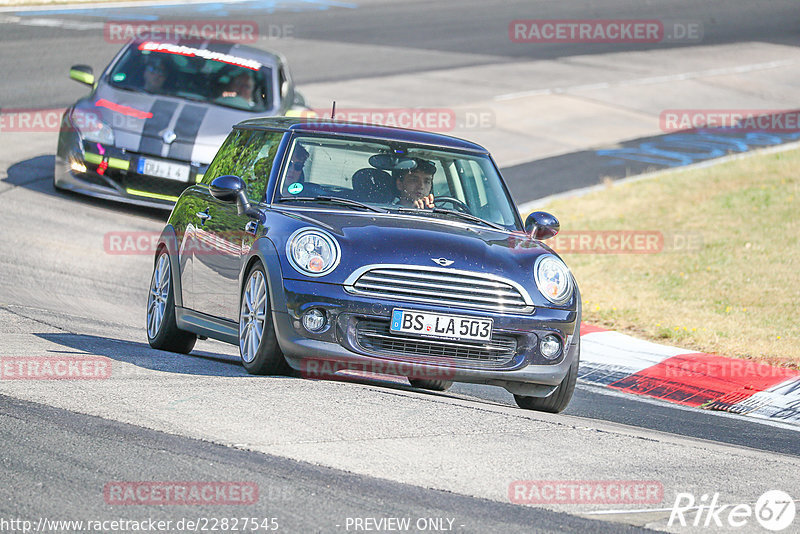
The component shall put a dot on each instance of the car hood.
(142, 123)
(373, 238)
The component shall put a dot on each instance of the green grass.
(733, 291)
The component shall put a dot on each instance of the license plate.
(440, 325)
(164, 169)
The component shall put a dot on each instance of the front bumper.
(354, 323)
(113, 175)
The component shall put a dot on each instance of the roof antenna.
(333, 110)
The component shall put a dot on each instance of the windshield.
(394, 176)
(196, 74)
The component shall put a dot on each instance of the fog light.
(77, 166)
(550, 346)
(314, 320)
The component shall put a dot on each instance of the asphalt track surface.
(300, 496)
(62, 289)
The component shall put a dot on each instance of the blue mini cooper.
(325, 247)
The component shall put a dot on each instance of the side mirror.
(82, 74)
(230, 188)
(541, 225)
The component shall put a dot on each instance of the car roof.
(333, 127)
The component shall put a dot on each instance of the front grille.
(375, 336)
(444, 287)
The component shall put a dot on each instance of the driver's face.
(415, 185)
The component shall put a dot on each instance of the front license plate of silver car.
(163, 169)
(443, 326)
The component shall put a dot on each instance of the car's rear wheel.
(162, 331)
(258, 344)
(558, 400)
(433, 385)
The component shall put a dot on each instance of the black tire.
(433, 385)
(166, 335)
(268, 358)
(558, 400)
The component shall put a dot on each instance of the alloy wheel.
(253, 316)
(159, 292)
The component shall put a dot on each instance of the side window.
(255, 171)
(225, 160)
(249, 155)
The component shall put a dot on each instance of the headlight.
(553, 279)
(91, 128)
(313, 252)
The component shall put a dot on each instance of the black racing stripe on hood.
(186, 128)
(151, 141)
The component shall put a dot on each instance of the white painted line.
(650, 80)
(532, 205)
(626, 351)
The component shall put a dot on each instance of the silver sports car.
(158, 113)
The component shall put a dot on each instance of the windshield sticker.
(189, 51)
(119, 77)
(295, 188)
(125, 110)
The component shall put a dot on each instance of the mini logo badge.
(444, 262)
(169, 136)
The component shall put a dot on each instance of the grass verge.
(716, 267)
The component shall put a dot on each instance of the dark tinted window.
(196, 74)
(248, 155)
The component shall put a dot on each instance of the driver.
(414, 186)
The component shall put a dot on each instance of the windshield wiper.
(455, 213)
(336, 200)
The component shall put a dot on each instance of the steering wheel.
(457, 204)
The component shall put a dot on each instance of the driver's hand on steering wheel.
(424, 202)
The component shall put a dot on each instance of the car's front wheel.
(258, 344)
(558, 400)
(162, 331)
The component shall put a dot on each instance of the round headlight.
(313, 252)
(553, 279)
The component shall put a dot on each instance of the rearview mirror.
(82, 74)
(541, 225)
(390, 162)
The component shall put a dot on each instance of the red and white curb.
(700, 380)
